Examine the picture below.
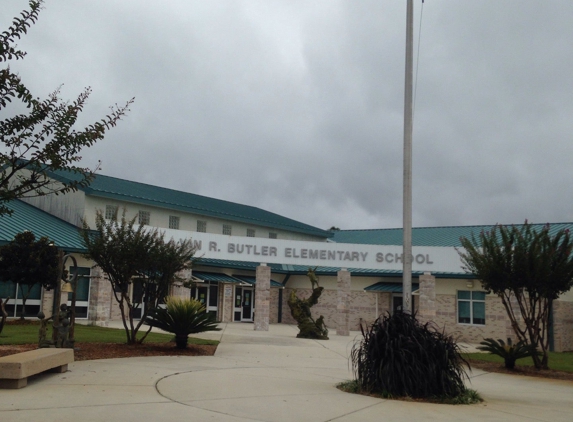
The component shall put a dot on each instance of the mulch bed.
(522, 370)
(91, 351)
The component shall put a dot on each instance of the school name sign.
(292, 252)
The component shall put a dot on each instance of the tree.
(181, 317)
(139, 263)
(527, 269)
(29, 262)
(44, 138)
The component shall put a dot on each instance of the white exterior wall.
(159, 217)
(69, 207)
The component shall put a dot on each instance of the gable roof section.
(26, 217)
(141, 193)
(425, 236)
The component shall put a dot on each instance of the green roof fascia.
(302, 269)
(253, 280)
(387, 287)
(141, 193)
(217, 277)
(24, 217)
(426, 236)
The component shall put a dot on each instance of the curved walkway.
(260, 376)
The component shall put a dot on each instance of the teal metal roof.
(303, 269)
(425, 236)
(253, 280)
(217, 277)
(26, 217)
(141, 193)
(386, 287)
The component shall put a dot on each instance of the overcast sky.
(296, 107)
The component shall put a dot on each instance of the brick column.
(262, 298)
(101, 295)
(427, 301)
(343, 306)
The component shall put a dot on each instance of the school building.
(251, 260)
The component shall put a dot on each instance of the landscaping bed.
(521, 370)
(91, 351)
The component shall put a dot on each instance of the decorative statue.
(300, 311)
(42, 342)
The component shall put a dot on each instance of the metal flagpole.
(407, 207)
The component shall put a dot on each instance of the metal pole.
(407, 207)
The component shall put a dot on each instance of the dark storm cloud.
(296, 106)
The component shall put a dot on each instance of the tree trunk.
(4, 313)
(181, 341)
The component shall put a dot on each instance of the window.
(16, 292)
(111, 212)
(250, 232)
(173, 222)
(471, 307)
(82, 288)
(201, 226)
(227, 229)
(144, 217)
(272, 235)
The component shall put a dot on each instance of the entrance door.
(247, 305)
(397, 302)
(202, 294)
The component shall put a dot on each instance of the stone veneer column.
(177, 288)
(343, 306)
(427, 303)
(262, 298)
(47, 302)
(99, 310)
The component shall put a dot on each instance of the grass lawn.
(28, 333)
(557, 361)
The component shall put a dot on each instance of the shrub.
(400, 357)
(509, 352)
(182, 317)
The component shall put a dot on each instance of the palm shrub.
(401, 357)
(182, 316)
(509, 352)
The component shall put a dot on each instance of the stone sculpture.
(300, 311)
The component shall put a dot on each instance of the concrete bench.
(15, 369)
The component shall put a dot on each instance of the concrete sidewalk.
(260, 376)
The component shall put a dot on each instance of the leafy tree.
(44, 138)
(29, 262)
(527, 269)
(136, 257)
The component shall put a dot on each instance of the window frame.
(111, 212)
(273, 235)
(227, 229)
(174, 221)
(471, 301)
(251, 232)
(143, 216)
(201, 226)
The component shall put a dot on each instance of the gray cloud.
(296, 106)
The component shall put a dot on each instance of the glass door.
(247, 304)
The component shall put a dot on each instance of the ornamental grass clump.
(182, 316)
(400, 357)
(509, 352)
